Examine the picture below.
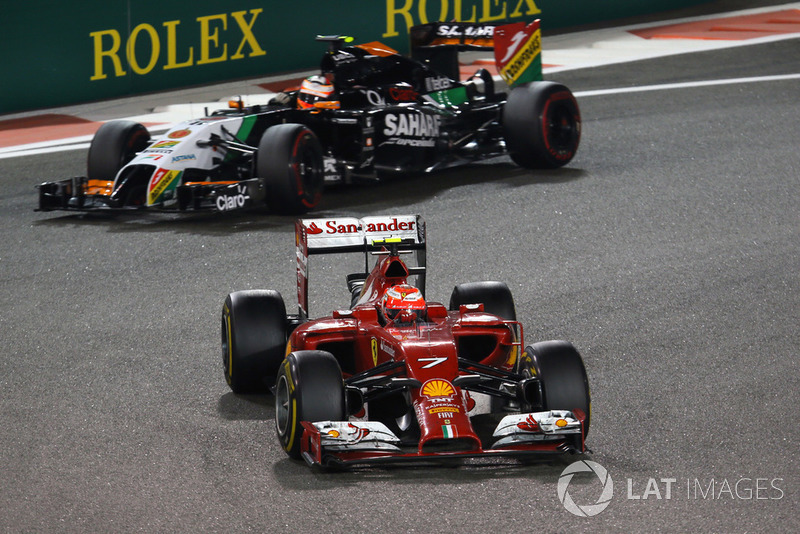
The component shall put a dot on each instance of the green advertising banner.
(57, 53)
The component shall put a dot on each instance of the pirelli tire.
(114, 144)
(496, 299)
(290, 162)
(495, 296)
(254, 331)
(565, 385)
(309, 388)
(541, 125)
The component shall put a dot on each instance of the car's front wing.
(82, 194)
(346, 443)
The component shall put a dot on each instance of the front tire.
(290, 162)
(559, 366)
(114, 144)
(542, 125)
(309, 388)
(254, 334)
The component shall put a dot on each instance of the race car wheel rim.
(282, 401)
(226, 347)
(560, 126)
(308, 172)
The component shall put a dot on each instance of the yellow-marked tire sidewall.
(227, 346)
(286, 422)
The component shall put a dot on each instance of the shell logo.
(438, 388)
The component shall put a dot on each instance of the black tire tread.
(495, 296)
(275, 165)
(114, 144)
(559, 366)
(257, 341)
(527, 114)
(318, 394)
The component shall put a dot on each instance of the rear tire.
(113, 146)
(542, 125)
(495, 296)
(565, 385)
(309, 388)
(253, 339)
(289, 160)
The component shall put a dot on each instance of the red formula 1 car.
(392, 377)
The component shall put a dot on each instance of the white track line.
(686, 85)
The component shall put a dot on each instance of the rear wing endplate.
(517, 47)
(349, 234)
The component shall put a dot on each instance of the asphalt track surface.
(667, 252)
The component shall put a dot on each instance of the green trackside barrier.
(56, 53)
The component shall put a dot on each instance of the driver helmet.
(403, 304)
(314, 89)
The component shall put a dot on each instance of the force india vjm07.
(372, 113)
(393, 377)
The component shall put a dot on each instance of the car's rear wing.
(517, 47)
(349, 234)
